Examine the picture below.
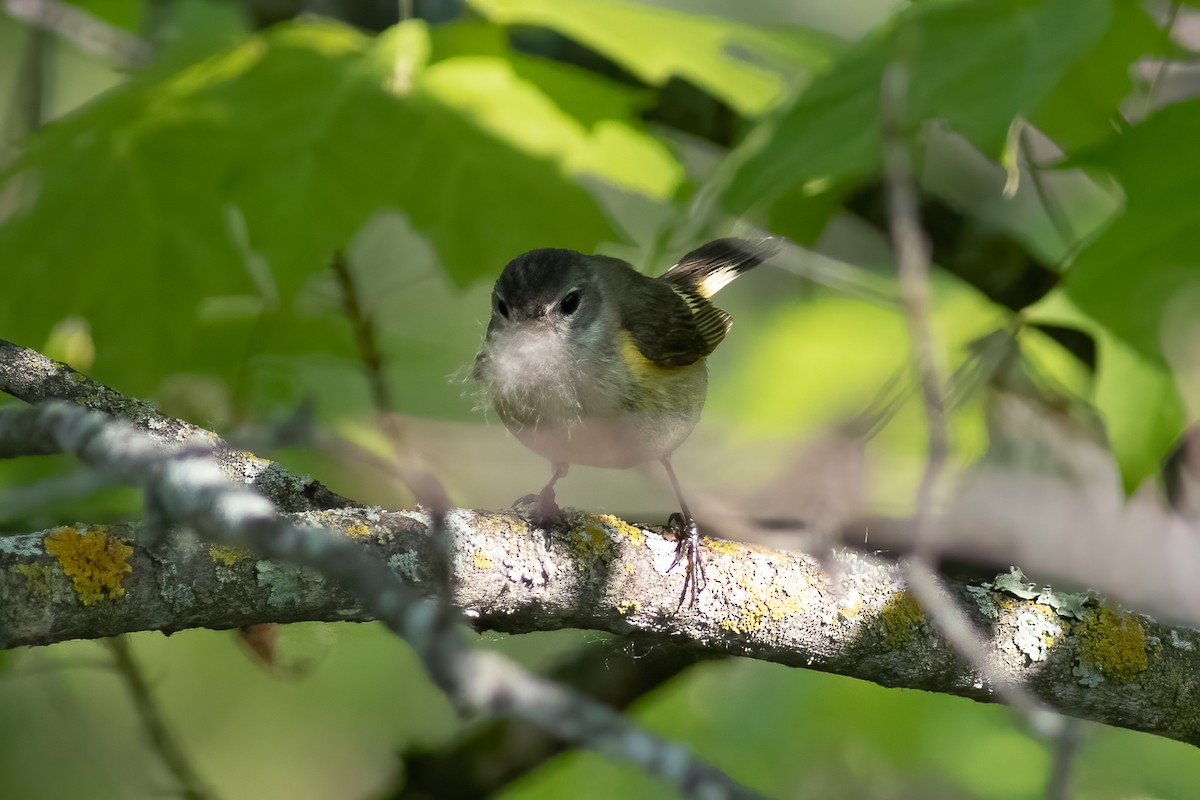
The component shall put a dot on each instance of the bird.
(588, 361)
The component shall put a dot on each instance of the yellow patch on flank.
(638, 364)
(95, 562)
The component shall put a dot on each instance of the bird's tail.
(710, 267)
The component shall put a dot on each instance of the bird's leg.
(688, 534)
(547, 509)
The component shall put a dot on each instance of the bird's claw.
(540, 509)
(688, 549)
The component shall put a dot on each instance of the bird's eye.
(569, 303)
(502, 307)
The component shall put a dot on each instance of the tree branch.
(187, 488)
(857, 619)
(30, 376)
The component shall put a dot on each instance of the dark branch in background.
(30, 376)
(152, 721)
(616, 673)
(407, 464)
(188, 489)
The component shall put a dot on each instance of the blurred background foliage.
(177, 174)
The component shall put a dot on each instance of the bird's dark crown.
(539, 278)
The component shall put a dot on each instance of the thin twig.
(411, 468)
(1160, 66)
(151, 717)
(82, 29)
(912, 257)
(1054, 211)
(1067, 743)
(912, 263)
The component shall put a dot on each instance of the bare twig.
(1160, 66)
(912, 260)
(1054, 211)
(408, 465)
(152, 720)
(912, 264)
(85, 31)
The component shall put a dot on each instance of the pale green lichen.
(1179, 643)
(1112, 644)
(288, 585)
(406, 565)
(1067, 604)
(984, 601)
(95, 562)
(176, 592)
(1015, 583)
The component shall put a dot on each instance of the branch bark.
(852, 615)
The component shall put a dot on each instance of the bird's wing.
(670, 326)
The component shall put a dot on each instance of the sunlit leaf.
(975, 64)
(196, 205)
(736, 63)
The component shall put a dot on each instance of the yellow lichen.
(1115, 642)
(482, 561)
(227, 555)
(901, 616)
(627, 607)
(725, 546)
(95, 562)
(758, 604)
(851, 610)
(37, 578)
(357, 529)
(623, 529)
(591, 542)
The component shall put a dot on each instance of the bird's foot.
(688, 550)
(540, 509)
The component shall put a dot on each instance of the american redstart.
(588, 361)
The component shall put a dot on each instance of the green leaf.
(1149, 257)
(518, 111)
(1136, 396)
(656, 44)
(975, 64)
(182, 215)
(1085, 105)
